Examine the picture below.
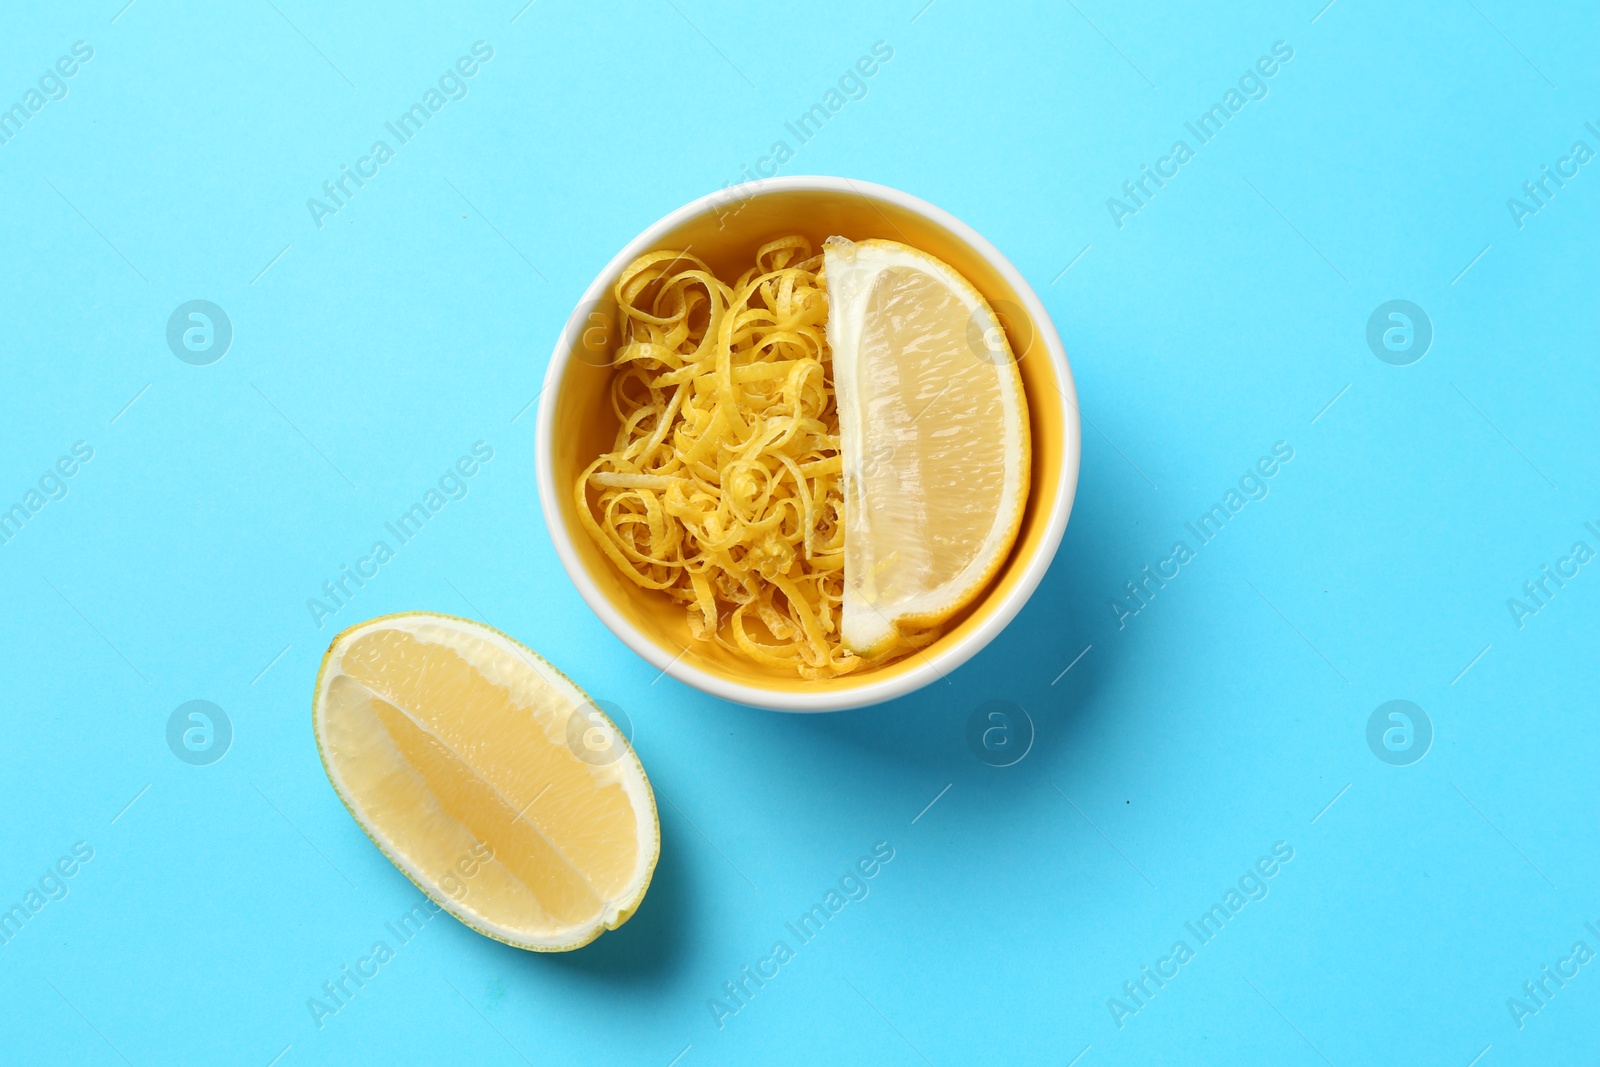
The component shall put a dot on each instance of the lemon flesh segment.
(449, 743)
(933, 429)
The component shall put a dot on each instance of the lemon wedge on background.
(933, 429)
(488, 778)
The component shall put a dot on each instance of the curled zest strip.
(724, 486)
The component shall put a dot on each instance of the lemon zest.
(724, 486)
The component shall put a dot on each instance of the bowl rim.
(930, 668)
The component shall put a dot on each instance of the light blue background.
(1225, 316)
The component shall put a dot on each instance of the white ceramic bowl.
(576, 424)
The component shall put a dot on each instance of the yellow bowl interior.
(726, 238)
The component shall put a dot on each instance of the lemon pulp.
(451, 745)
(934, 440)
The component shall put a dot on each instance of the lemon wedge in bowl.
(934, 440)
(490, 779)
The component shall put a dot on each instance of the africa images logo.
(199, 733)
(853, 885)
(851, 85)
(1537, 193)
(1139, 592)
(199, 332)
(1252, 885)
(451, 85)
(51, 886)
(337, 592)
(1399, 732)
(1252, 85)
(1538, 592)
(1399, 332)
(52, 86)
(52, 485)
